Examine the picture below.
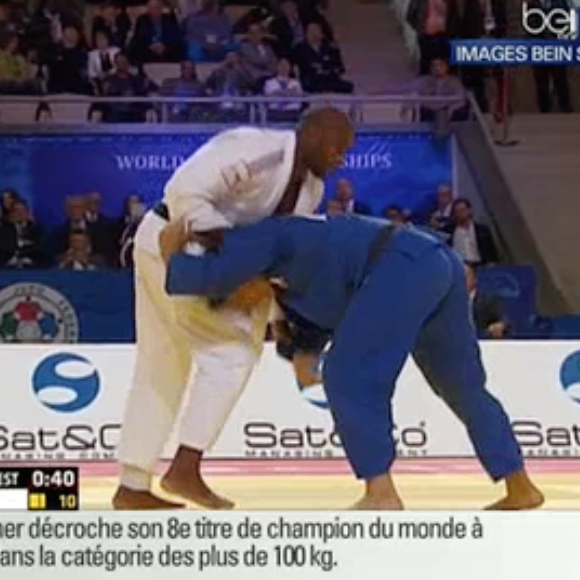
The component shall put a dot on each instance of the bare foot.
(369, 503)
(195, 490)
(530, 501)
(130, 499)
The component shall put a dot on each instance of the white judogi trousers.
(175, 337)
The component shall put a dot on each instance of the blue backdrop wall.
(385, 168)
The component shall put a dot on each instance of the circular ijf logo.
(34, 313)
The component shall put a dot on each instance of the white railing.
(364, 109)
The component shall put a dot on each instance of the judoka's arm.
(246, 254)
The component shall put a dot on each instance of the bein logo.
(561, 23)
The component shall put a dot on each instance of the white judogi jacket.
(238, 177)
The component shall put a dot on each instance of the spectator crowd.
(283, 50)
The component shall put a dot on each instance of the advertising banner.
(67, 403)
(48, 168)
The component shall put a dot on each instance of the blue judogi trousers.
(417, 306)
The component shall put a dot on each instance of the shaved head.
(324, 137)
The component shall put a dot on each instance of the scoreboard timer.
(39, 488)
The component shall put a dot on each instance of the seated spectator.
(471, 240)
(320, 64)
(344, 196)
(101, 228)
(48, 22)
(8, 199)
(256, 15)
(257, 56)
(123, 83)
(20, 239)
(208, 34)
(157, 36)
(67, 65)
(43, 113)
(284, 85)
(440, 83)
(397, 214)
(486, 309)
(289, 28)
(127, 227)
(114, 22)
(101, 62)
(187, 86)
(15, 76)
(79, 255)
(230, 80)
(441, 217)
(76, 221)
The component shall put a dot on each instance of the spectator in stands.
(15, 75)
(12, 19)
(43, 113)
(101, 62)
(20, 239)
(76, 208)
(435, 22)
(8, 199)
(187, 85)
(208, 34)
(486, 309)
(258, 57)
(553, 76)
(397, 214)
(284, 84)
(157, 36)
(289, 27)
(257, 15)
(231, 79)
(48, 22)
(344, 196)
(441, 218)
(481, 19)
(114, 22)
(127, 227)
(320, 64)
(441, 83)
(79, 255)
(5, 25)
(67, 65)
(102, 231)
(473, 241)
(123, 83)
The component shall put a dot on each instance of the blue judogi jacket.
(322, 263)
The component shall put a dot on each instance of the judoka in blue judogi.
(379, 294)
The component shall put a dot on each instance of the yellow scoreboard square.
(37, 501)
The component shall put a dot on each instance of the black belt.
(378, 246)
(162, 211)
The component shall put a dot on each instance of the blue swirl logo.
(66, 382)
(570, 376)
